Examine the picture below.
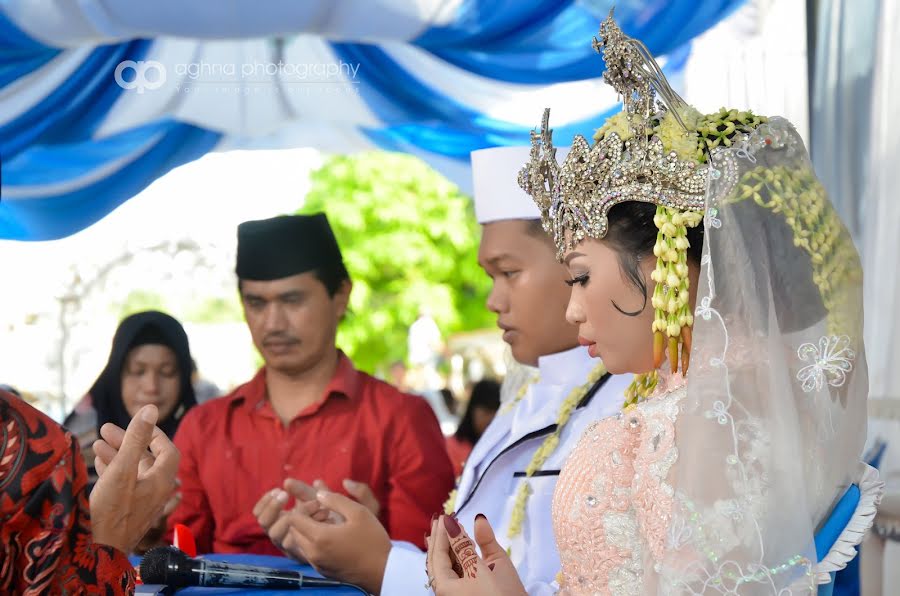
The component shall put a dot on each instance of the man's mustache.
(279, 338)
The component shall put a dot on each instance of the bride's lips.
(591, 346)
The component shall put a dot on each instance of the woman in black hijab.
(150, 362)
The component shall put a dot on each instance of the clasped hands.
(343, 538)
(340, 537)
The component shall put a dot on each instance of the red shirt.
(46, 545)
(459, 452)
(235, 448)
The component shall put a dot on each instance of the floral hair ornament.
(653, 152)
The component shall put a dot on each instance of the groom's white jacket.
(496, 467)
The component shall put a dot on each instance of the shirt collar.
(558, 375)
(345, 382)
(346, 379)
(561, 368)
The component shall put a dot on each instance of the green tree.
(215, 309)
(205, 309)
(409, 240)
(139, 300)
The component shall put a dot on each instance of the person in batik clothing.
(53, 540)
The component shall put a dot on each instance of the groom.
(530, 300)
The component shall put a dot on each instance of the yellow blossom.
(675, 138)
(450, 504)
(618, 124)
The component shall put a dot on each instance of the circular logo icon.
(147, 74)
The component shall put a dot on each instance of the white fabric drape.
(880, 211)
(855, 143)
(67, 23)
(756, 59)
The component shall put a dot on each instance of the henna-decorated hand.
(455, 569)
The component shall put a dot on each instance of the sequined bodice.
(612, 505)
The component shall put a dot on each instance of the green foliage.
(409, 240)
(140, 300)
(208, 309)
(215, 309)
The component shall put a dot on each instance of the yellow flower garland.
(450, 503)
(800, 197)
(548, 447)
(641, 388)
(671, 296)
(520, 394)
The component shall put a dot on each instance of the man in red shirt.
(308, 414)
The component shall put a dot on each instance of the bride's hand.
(455, 569)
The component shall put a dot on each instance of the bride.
(706, 258)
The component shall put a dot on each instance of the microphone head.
(166, 565)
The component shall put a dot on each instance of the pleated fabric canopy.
(100, 98)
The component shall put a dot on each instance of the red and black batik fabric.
(46, 545)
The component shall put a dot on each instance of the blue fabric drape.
(61, 173)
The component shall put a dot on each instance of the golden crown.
(629, 162)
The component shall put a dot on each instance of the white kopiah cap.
(495, 174)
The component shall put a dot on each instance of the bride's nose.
(575, 312)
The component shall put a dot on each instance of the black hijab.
(150, 327)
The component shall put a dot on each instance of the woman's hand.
(455, 569)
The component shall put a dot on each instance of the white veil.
(774, 421)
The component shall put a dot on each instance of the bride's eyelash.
(581, 280)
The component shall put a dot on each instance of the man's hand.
(277, 522)
(154, 536)
(135, 483)
(355, 550)
(364, 495)
(360, 491)
(269, 512)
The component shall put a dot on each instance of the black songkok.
(286, 245)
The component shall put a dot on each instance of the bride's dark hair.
(632, 234)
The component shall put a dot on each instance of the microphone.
(168, 565)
